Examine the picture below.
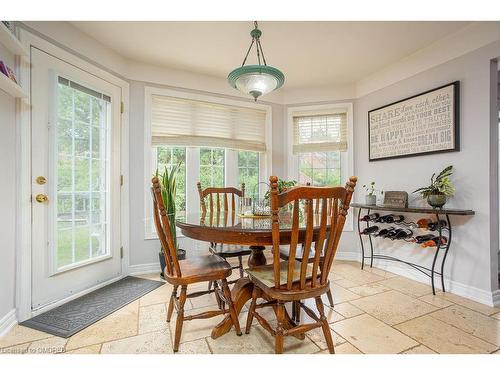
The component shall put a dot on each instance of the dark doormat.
(68, 319)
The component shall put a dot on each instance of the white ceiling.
(311, 54)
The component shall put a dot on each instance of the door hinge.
(121, 180)
(122, 107)
(121, 252)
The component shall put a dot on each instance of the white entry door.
(76, 124)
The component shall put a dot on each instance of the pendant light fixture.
(256, 80)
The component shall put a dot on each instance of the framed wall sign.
(426, 123)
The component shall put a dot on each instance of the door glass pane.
(81, 174)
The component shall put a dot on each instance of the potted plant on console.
(440, 188)
(168, 189)
(371, 197)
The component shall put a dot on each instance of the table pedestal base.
(241, 293)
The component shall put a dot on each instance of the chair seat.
(230, 251)
(201, 268)
(265, 274)
(263, 277)
(285, 253)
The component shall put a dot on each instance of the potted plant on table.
(168, 189)
(440, 188)
(371, 197)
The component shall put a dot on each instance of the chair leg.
(240, 259)
(180, 318)
(171, 304)
(326, 328)
(220, 302)
(280, 315)
(210, 285)
(296, 311)
(330, 298)
(230, 305)
(251, 310)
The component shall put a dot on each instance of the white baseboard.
(479, 295)
(7, 322)
(142, 269)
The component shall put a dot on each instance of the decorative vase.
(371, 199)
(436, 200)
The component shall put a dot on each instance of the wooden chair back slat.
(164, 230)
(318, 248)
(324, 222)
(307, 244)
(293, 244)
(219, 203)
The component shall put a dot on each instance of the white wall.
(470, 256)
(7, 195)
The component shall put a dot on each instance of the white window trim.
(192, 159)
(347, 166)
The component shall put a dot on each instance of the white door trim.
(23, 157)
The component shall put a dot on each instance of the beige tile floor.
(375, 312)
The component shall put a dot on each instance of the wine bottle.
(392, 233)
(370, 230)
(425, 237)
(437, 225)
(372, 217)
(403, 234)
(391, 218)
(384, 231)
(424, 223)
(434, 242)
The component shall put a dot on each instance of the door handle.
(41, 198)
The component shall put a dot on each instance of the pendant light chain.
(258, 47)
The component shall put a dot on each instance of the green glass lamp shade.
(256, 80)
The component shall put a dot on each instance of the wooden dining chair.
(285, 252)
(181, 273)
(223, 201)
(291, 280)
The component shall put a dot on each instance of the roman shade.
(324, 131)
(186, 122)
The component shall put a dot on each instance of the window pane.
(320, 168)
(212, 166)
(81, 141)
(248, 170)
(167, 157)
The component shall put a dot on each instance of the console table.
(438, 213)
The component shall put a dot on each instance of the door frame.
(23, 165)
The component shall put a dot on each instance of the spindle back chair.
(222, 201)
(293, 280)
(181, 273)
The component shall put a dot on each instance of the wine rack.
(443, 229)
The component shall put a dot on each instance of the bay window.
(219, 142)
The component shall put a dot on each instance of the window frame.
(346, 158)
(192, 153)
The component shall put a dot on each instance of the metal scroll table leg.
(371, 243)
(435, 257)
(361, 239)
(445, 252)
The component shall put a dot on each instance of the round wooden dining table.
(232, 229)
